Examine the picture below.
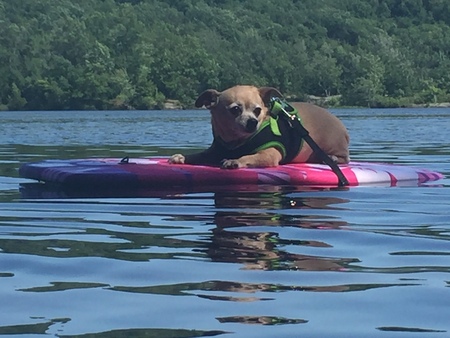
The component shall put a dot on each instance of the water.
(273, 262)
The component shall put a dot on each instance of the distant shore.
(327, 102)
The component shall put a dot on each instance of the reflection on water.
(44, 328)
(287, 231)
(248, 262)
(263, 249)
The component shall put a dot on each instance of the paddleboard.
(156, 172)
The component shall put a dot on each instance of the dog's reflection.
(260, 227)
(249, 232)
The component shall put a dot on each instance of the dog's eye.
(236, 110)
(257, 111)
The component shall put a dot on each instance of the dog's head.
(237, 112)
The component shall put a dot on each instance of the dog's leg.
(207, 157)
(199, 158)
(265, 158)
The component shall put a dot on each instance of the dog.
(238, 116)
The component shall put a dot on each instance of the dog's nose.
(251, 125)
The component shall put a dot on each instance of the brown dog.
(238, 115)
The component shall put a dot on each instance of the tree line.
(137, 54)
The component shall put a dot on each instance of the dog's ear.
(209, 98)
(267, 93)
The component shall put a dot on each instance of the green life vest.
(276, 132)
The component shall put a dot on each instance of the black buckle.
(125, 160)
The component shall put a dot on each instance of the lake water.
(269, 262)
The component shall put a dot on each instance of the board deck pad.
(154, 172)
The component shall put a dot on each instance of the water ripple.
(265, 262)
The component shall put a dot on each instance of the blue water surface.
(264, 262)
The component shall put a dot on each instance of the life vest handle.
(280, 107)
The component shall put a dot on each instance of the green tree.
(16, 101)
(367, 87)
(135, 54)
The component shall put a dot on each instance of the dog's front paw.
(177, 159)
(231, 164)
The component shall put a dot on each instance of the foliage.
(136, 54)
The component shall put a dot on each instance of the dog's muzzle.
(251, 125)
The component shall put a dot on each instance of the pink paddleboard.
(156, 172)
